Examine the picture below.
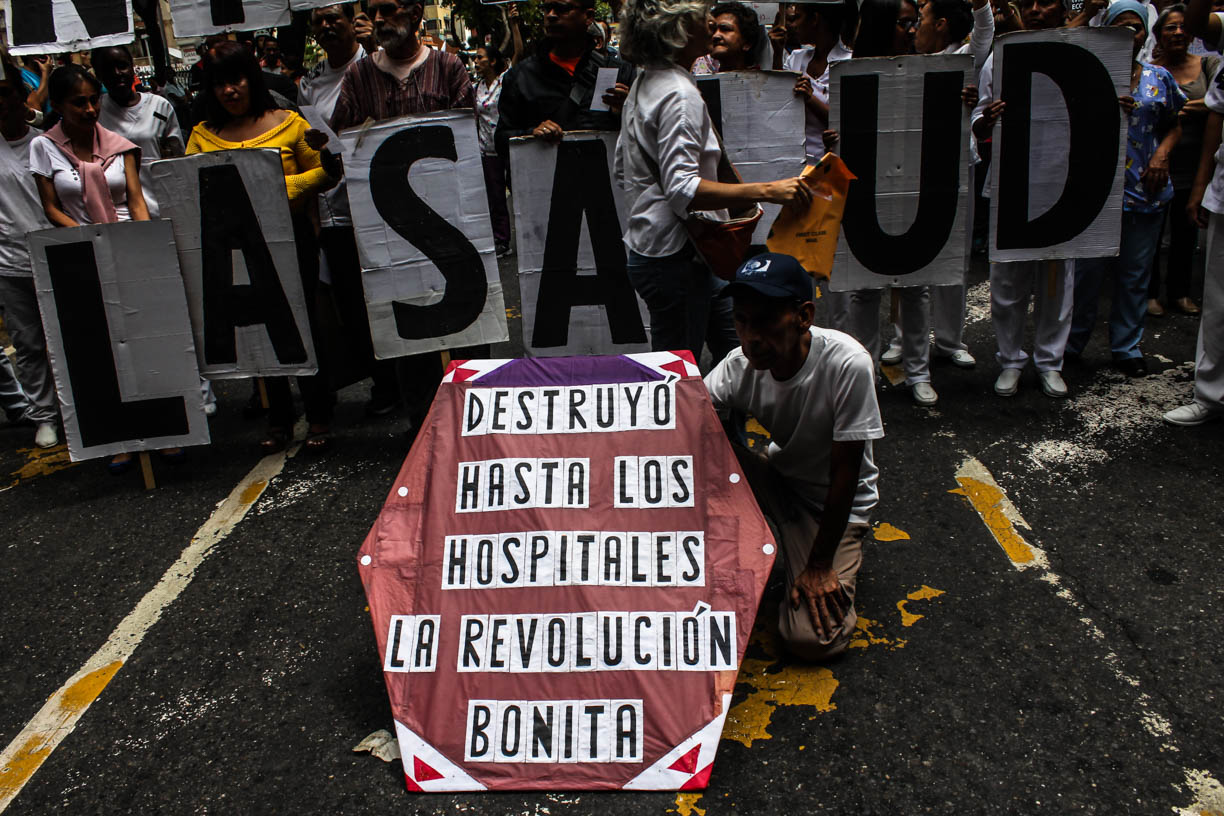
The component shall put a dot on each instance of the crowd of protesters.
(83, 138)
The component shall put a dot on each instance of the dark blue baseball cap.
(773, 275)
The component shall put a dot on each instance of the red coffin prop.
(564, 577)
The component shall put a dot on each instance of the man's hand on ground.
(826, 600)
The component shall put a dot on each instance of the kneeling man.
(814, 391)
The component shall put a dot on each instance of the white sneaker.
(924, 394)
(45, 435)
(1190, 415)
(962, 359)
(1052, 384)
(1008, 382)
(891, 355)
(210, 409)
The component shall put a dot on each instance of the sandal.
(318, 439)
(276, 440)
(119, 466)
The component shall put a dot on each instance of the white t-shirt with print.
(48, 161)
(831, 399)
(21, 210)
(145, 124)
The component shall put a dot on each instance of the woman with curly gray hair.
(667, 161)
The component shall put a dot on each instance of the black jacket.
(537, 89)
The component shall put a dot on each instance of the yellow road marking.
(998, 514)
(64, 709)
(795, 684)
(512, 313)
(894, 373)
(886, 532)
(925, 593)
(865, 635)
(686, 804)
(40, 462)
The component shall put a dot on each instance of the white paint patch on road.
(977, 303)
(63, 710)
(1208, 795)
(320, 473)
(1126, 408)
(979, 486)
(1062, 458)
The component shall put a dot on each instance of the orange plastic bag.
(810, 235)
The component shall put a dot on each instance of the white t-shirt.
(814, 129)
(47, 160)
(831, 399)
(321, 88)
(21, 210)
(1213, 196)
(144, 124)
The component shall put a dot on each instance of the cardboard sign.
(905, 137)
(760, 120)
(200, 18)
(416, 189)
(564, 578)
(118, 337)
(56, 26)
(236, 249)
(1056, 176)
(569, 218)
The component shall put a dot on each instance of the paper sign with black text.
(761, 122)
(564, 578)
(904, 134)
(56, 26)
(416, 189)
(1056, 176)
(235, 242)
(200, 18)
(118, 337)
(569, 217)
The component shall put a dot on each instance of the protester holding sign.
(21, 212)
(1151, 136)
(667, 161)
(145, 119)
(1193, 73)
(553, 90)
(85, 173)
(819, 27)
(241, 114)
(814, 390)
(737, 39)
(491, 68)
(1013, 283)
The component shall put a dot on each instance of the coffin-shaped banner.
(761, 122)
(569, 217)
(905, 134)
(239, 261)
(55, 26)
(118, 337)
(416, 188)
(1056, 175)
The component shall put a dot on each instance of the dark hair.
(495, 56)
(102, 56)
(588, 5)
(12, 74)
(840, 17)
(230, 62)
(347, 9)
(64, 80)
(747, 20)
(877, 28)
(959, 15)
(1176, 8)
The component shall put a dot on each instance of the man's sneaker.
(45, 436)
(1008, 382)
(1193, 414)
(1052, 384)
(924, 394)
(891, 355)
(961, 358)
(210, 408)
(503, 250)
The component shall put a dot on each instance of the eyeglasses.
(908, 25)
(558, 8)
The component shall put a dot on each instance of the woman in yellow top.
(240, 113)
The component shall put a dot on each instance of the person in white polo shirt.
(813, 389)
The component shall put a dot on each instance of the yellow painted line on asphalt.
(686, 804)
(886, 532)
(64, 709)
(40, 462)
(925, 593)
(1002, 518)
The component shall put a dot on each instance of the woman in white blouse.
(667, 161)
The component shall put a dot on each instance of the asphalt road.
(1041, 606)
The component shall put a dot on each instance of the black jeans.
(1183, 241)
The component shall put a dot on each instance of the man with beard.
(405, 77)
(551, 91)
(145, 119)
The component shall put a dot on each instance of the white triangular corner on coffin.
(472, 369)
(661, 775)
(667, 362)
(418, 756)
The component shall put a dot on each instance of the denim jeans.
(1130, 271)
(685, 312)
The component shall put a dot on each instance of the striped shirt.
(440, 83)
